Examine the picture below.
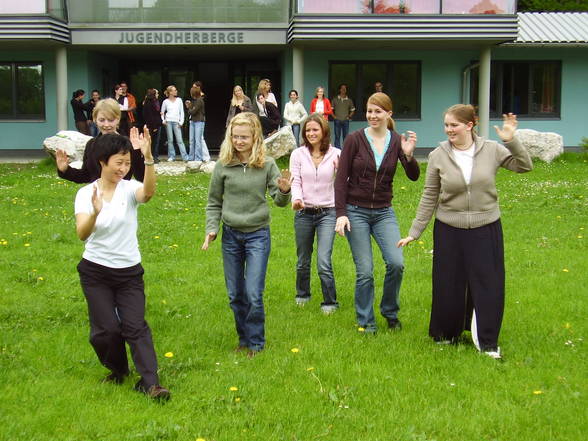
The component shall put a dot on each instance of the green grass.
(340, 385)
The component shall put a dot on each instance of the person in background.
(106, 115)
(313, 167)
(363, 193)
(239, 103)
(264, 87)
(79, 111)
(294, 114)
(320, 104)
(110, 271)
(378, 87)
(132, 102)
(123, 101)
(95, 97)
(237, 197)
(343, 110)
(152, 117)
(196, 112)
(468, 263)
(172, 113)
(268, 114)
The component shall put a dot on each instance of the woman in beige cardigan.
(468, 260)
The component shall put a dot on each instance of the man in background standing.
(343, 110)
(132, 119)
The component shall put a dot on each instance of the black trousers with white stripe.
(468, 271)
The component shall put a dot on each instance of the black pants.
(468, 271)
(116, 307)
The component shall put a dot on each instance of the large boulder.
(543, 145)
(73, 143)
(280, 143)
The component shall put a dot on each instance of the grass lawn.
(319, 378)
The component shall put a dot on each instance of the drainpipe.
(465, 83)
(484, 92)
(61, 87)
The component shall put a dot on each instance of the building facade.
(428, 54)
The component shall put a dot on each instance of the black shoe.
(115, 378)
(154, 391)
(394, 324)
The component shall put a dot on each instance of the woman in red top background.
(321, 104)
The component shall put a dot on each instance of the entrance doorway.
(218, 79)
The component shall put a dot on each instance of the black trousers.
(116, 308)
(468, 272)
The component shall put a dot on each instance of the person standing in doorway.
(79, 111)
(294, 114)
(172, 113)
(321, 104)
(343, 110)
(152, 117)
(196, 112)
(132, 101)
(123, 102)
(378, 87)
(237, 198)
(95, 97)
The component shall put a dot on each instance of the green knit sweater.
(453, 201)
(236, 196)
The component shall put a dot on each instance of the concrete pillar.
(298, 71)
(484, 92)
(61, 91)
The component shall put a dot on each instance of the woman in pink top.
(313, 168)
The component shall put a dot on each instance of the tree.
(552, 5)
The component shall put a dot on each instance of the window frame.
(497, 75)
(13, 86)
(389, 75)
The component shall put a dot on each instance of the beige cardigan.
(453, 201)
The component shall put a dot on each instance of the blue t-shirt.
(377, 156)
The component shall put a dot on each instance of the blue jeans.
(174, 129)
(341, 131)
(382, 225)
(93, 129)
(245, 257)
(196, 137)
(205, 153)
(296, 132)
(305, 226)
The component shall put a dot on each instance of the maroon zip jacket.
(359, 183)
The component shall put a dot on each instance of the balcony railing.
(406, 6)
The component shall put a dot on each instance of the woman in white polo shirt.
(110, 270)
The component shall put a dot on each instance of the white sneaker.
(301, 301)
(170, 159)
(329, 309)
(496, 355)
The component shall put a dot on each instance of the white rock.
(193, 166)
(72, 142)
(543, 145)
(170, 168)
(207, 167)
(76, 164)
(280, 143)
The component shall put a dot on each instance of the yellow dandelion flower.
(310, 369)
(27, 244)
(580, 236)
(40, 278)
(360, 329)
(403, 188)
(295, 350)
(155, 237)
(34, 270)
(200, 439)
(421, 242)
(237, 399)
(567, 326)
(537, 392)
(164, 302)
(565, 270)
(558, 217)
(169, 354)
(233, 388)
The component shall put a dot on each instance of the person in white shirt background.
(172, 114)
(294, 114)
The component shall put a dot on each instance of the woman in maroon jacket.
(363, 193)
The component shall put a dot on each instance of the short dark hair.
(97, 91)
(109, 145)
(293, 90)
(258, 95)
(78, 93)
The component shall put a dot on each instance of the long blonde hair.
(262, 87)
(383, 101)
(109, 106)
(234, 99)
(228, 153)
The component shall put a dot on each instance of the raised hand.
(408, 144)
(208, 239)
(61, 160)
(97, 200)
(285, 180)
(405, 241)
(141, 141)
(509, 126)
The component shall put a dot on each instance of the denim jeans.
(174, 129)
(93, 129)
(382, 225)
(305, 226)
(341, 129)
(296, 132)
(245, 257)
(196, 136)
(205, 153)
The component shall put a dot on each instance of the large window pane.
(343, 73)
(544, 90)
(6, 89)
(406, 95)
(29, 90)
(371, 73)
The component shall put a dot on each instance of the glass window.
(527, 89)
(400, 80)
(22, 94)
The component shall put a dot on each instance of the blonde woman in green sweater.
(237, 198)
(468, 263)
